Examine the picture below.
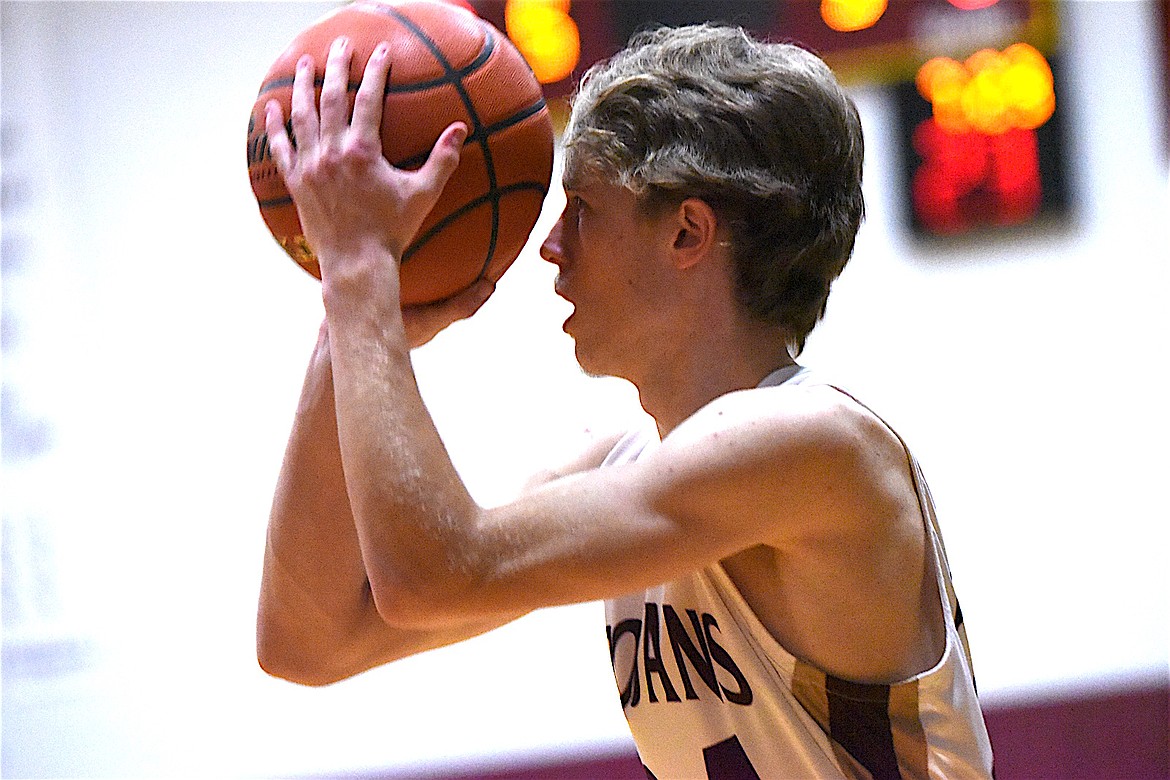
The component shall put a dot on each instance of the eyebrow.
(576, 179)
(578, 184)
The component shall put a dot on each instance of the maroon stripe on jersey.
(859, 721)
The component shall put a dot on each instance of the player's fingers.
(279, 145)
(444, 157)
(335, 89)
(303, 109)
(371, 95)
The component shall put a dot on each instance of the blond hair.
(761, 131)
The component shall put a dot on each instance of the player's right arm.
(316, 622)
(590, 458)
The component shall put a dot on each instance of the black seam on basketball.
(455, 78)
(453, 75)
(515, 119)
(462, 209)
(494, 196)
(489, 45)
(412, 163)
(505, 190)
(398, 89)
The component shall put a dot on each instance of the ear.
(695, 227)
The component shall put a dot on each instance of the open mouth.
(559, 288)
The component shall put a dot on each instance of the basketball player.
(778, 600)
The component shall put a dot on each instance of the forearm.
(315, 608)
(415, 520)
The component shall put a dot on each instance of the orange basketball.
(447, 65)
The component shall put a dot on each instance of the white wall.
(158, 330)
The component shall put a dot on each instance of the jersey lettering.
(696, 651)
(744, 693)
(652, 656)
(727, 760)
(699, 657)
(631, 693)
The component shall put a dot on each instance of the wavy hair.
(761, 131)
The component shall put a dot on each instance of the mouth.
(559, 289)
(570, 317)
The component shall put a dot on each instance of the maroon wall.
(1104, 735)
(1111, 735)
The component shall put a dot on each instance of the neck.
(676, 387)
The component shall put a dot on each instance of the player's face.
(607, 254)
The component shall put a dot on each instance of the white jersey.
(709, 693)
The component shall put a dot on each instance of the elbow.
(433, 576)
(406, 611)
(293, 673)
(285, 667)
(424, 604)
(286, 658)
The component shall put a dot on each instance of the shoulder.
(814, 417)
(797, 459)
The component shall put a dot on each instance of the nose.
(552, 249)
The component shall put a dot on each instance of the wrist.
(361, 273)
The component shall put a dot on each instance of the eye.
(574, 205)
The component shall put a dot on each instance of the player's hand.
(347, 194)
(424, 322)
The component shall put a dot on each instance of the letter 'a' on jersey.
(709, 693)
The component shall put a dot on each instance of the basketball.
(447, 65)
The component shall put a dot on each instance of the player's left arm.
(715, 486)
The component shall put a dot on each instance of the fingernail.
(303, 62)
(340, 44)
(382, 50)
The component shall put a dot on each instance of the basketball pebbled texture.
(447, 65)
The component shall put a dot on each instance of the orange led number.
(979, 150)
(546, 35)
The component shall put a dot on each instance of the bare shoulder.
(818, 422)
(813, 455)
(819, 413)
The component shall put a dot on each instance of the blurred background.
(1005, 310)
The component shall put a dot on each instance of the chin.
(594, 356)
(585, 359)
(592, 363)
